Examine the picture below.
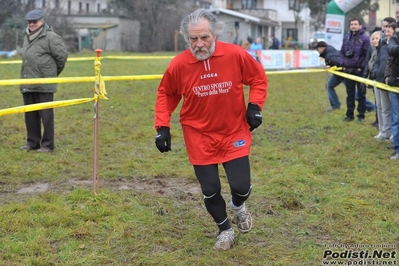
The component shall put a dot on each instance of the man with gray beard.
(216, 121)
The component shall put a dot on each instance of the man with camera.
(353, 60)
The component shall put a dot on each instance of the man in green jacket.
(43, 56)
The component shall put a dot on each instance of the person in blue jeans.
(333, 82)
(331, 57)
(395, 123)
(391, 75)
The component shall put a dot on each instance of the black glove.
(163, 139)
(254, 117)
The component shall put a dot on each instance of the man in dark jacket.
(43, 56)
(353, 61)
(331, 58)
(275, 43)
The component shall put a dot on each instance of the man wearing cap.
(43, 56)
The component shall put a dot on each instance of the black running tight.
(239, 178)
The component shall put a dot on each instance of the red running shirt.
(213, 113)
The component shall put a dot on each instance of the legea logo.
(211, 75)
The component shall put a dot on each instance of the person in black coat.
(331, 58)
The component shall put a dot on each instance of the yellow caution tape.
(8, 82)
(12, 62)
(99, 85)
(334, 70)
(135, 77)
(41, 106)
(310, 70)
(139, 57)
(100, 79)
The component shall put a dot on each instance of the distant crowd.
(249, 44)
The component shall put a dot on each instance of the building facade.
(262, 18)
(95, 25)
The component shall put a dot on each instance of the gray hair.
(216, 26)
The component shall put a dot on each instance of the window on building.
(87, 8)
(248, 4)
(98, 8)
(291, 34)
(260, 30)
(43, 3)
(291, 4)
(57, 3)
(69, 7)
(80, 7)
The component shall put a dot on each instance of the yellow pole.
(96, 124)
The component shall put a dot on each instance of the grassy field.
(317, 181)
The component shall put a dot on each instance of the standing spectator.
(43, 56)
(257, 48)
(275, 43)
(382, 96)
(370, 58)
(257, 45)
(353, 60)
(392, 79)
(216, 123)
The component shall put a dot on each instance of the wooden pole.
(176, 39)
(96, 124)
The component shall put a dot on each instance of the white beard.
(208, 54)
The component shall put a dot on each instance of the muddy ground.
(173, 187)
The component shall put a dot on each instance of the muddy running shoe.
(225, 240)
(242, 218)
